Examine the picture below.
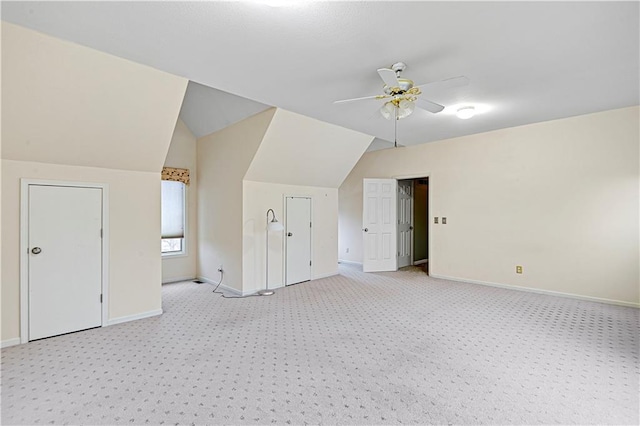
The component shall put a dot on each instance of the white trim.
(285, 240)
(174, 254)
(185, 218)
(134, 317)
(321, 276)
(24, 246)
(224, 287)
(178, 279)
(539, 291)
(10, 342)
(349, 262)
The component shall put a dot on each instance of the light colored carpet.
(351, 349)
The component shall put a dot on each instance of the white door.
(405, 222)
(379, 225)
(298, 234)
(64, 259)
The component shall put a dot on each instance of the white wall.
(298, 150)
(182, 154)
(68, 104)
(223, 159)
(258, 197)
(560, 198)
(134, 217)
(71, 113)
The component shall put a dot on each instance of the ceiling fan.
(402, 96)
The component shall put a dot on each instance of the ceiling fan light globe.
(405, 108)
(387, 110)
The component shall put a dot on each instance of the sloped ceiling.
(67, 104)
(299, 150)
(206, 110)
(526, 61)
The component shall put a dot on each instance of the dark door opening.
(421, 223)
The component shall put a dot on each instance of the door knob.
(411, 228)
(36, 250)
(289, 234)
(366, 229)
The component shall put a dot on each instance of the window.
(173, 217)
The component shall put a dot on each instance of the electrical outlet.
(518, 269)
(435, 220)
(347, 250)
(220, 268)
(444, 220)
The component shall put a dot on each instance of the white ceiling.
(206, 110)
(526, 61)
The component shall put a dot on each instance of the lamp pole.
(274, 225)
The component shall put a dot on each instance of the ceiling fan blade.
(429, 106)
(389, 77)
(445, 84)
(362, 99)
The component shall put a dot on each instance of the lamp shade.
(274, 225)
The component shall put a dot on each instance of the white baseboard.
(134, 317)
(10, 342)
(420, 262)
(539, 291)
(223, 287)
(320, 276)
(349, 262)
(178, 279)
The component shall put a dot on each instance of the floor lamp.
(272, 225)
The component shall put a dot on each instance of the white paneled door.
(379, 226)
(405, 222)
(298, 235)
(64, 259)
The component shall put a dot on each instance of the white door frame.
(425, 175)
(284, 253)
(411, 219)
(379, 224)
(24, 246)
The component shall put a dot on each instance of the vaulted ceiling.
(526, 61)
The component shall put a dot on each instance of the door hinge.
(309, 224)
(100, 298)
(100, 232)
(309, 263)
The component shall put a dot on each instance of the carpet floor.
(357, 348)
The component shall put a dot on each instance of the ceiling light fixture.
(281, 3)
(466, 112)
(398, 107)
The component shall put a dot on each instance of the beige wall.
(261, 196)
(298, 150)
(68, 104)
(75, 114)
(223, 160)
(134, 218)
(559, 198)
(182, 154)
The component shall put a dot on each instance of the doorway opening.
(413, 223)
(395, 223)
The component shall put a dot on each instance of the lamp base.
(266, 292)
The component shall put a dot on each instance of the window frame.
(183, 252)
